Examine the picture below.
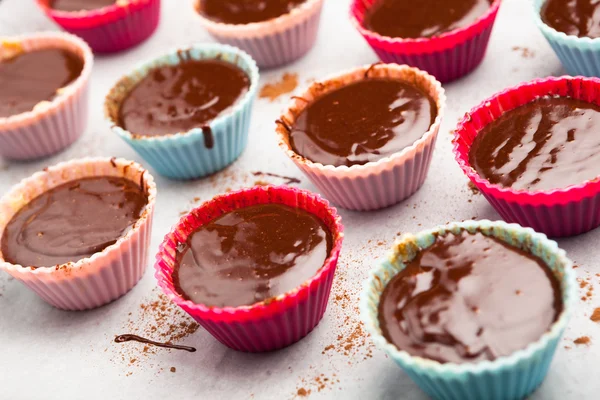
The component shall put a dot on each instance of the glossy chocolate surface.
(32, 77)
(573, 17)
(80, 5)
(469, 298)
(240, 12)
(72, 221)
(362, 122)
(423, 18)
(177, 98)
(550, 143)
(250, 255)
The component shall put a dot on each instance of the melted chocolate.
(80, 5)
(362, 122)
(579, 18)
(469, 298)
(139, 339)
(239, 12)
(32, 77)
(549, 143)
(423, 18)
(288, 179)
(177, 98)
(72, 221)
(250, 255)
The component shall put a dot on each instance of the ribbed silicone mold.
(561, 212)
(52, 125)
(103, 277)
(271, 324)
(447, 57)
(376, 184)
(186, 155)
(275, 42)
(506, 378)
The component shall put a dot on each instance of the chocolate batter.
(177, 98)
(423, 18)
(469, 298)
(579, 18)
(239, 12)
(32, 77)
(72, 221)
(550, 143)
(80, 5)
(362, 122)
(250, 255)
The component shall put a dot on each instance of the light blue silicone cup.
(184, 155)
(507, 378)
(579, 56)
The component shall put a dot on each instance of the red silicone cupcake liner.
(268, 325)
(447, 57)
(110, 29)
(557, 213)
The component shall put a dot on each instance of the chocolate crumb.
(272, 91)
(525, 52)
(582, 340)
(173, 369)
(302, 392)
(596, 315)
(474, 190)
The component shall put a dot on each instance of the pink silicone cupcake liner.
(561, 212)
(275, 42)
(447, 57)
(110, 29)
(271, 324)
(52, 125)
(107, 275)
(376, 184)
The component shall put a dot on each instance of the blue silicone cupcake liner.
(507, 378)
(185, 155)
(579, 56)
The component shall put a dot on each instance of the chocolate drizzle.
(139, 339)
(209, 139)
(288, 179)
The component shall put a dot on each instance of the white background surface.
(50, 354)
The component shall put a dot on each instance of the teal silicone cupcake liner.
(186, 155)
(579, 56)
(507, 378)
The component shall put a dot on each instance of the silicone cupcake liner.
(52, 125)
(275, 42)
(110, 29)
(186, 155)
(376, 184)
(507, 378)
(557, 213)
(447, 57)
(107, 275)
(267, 325)
(579, 56)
